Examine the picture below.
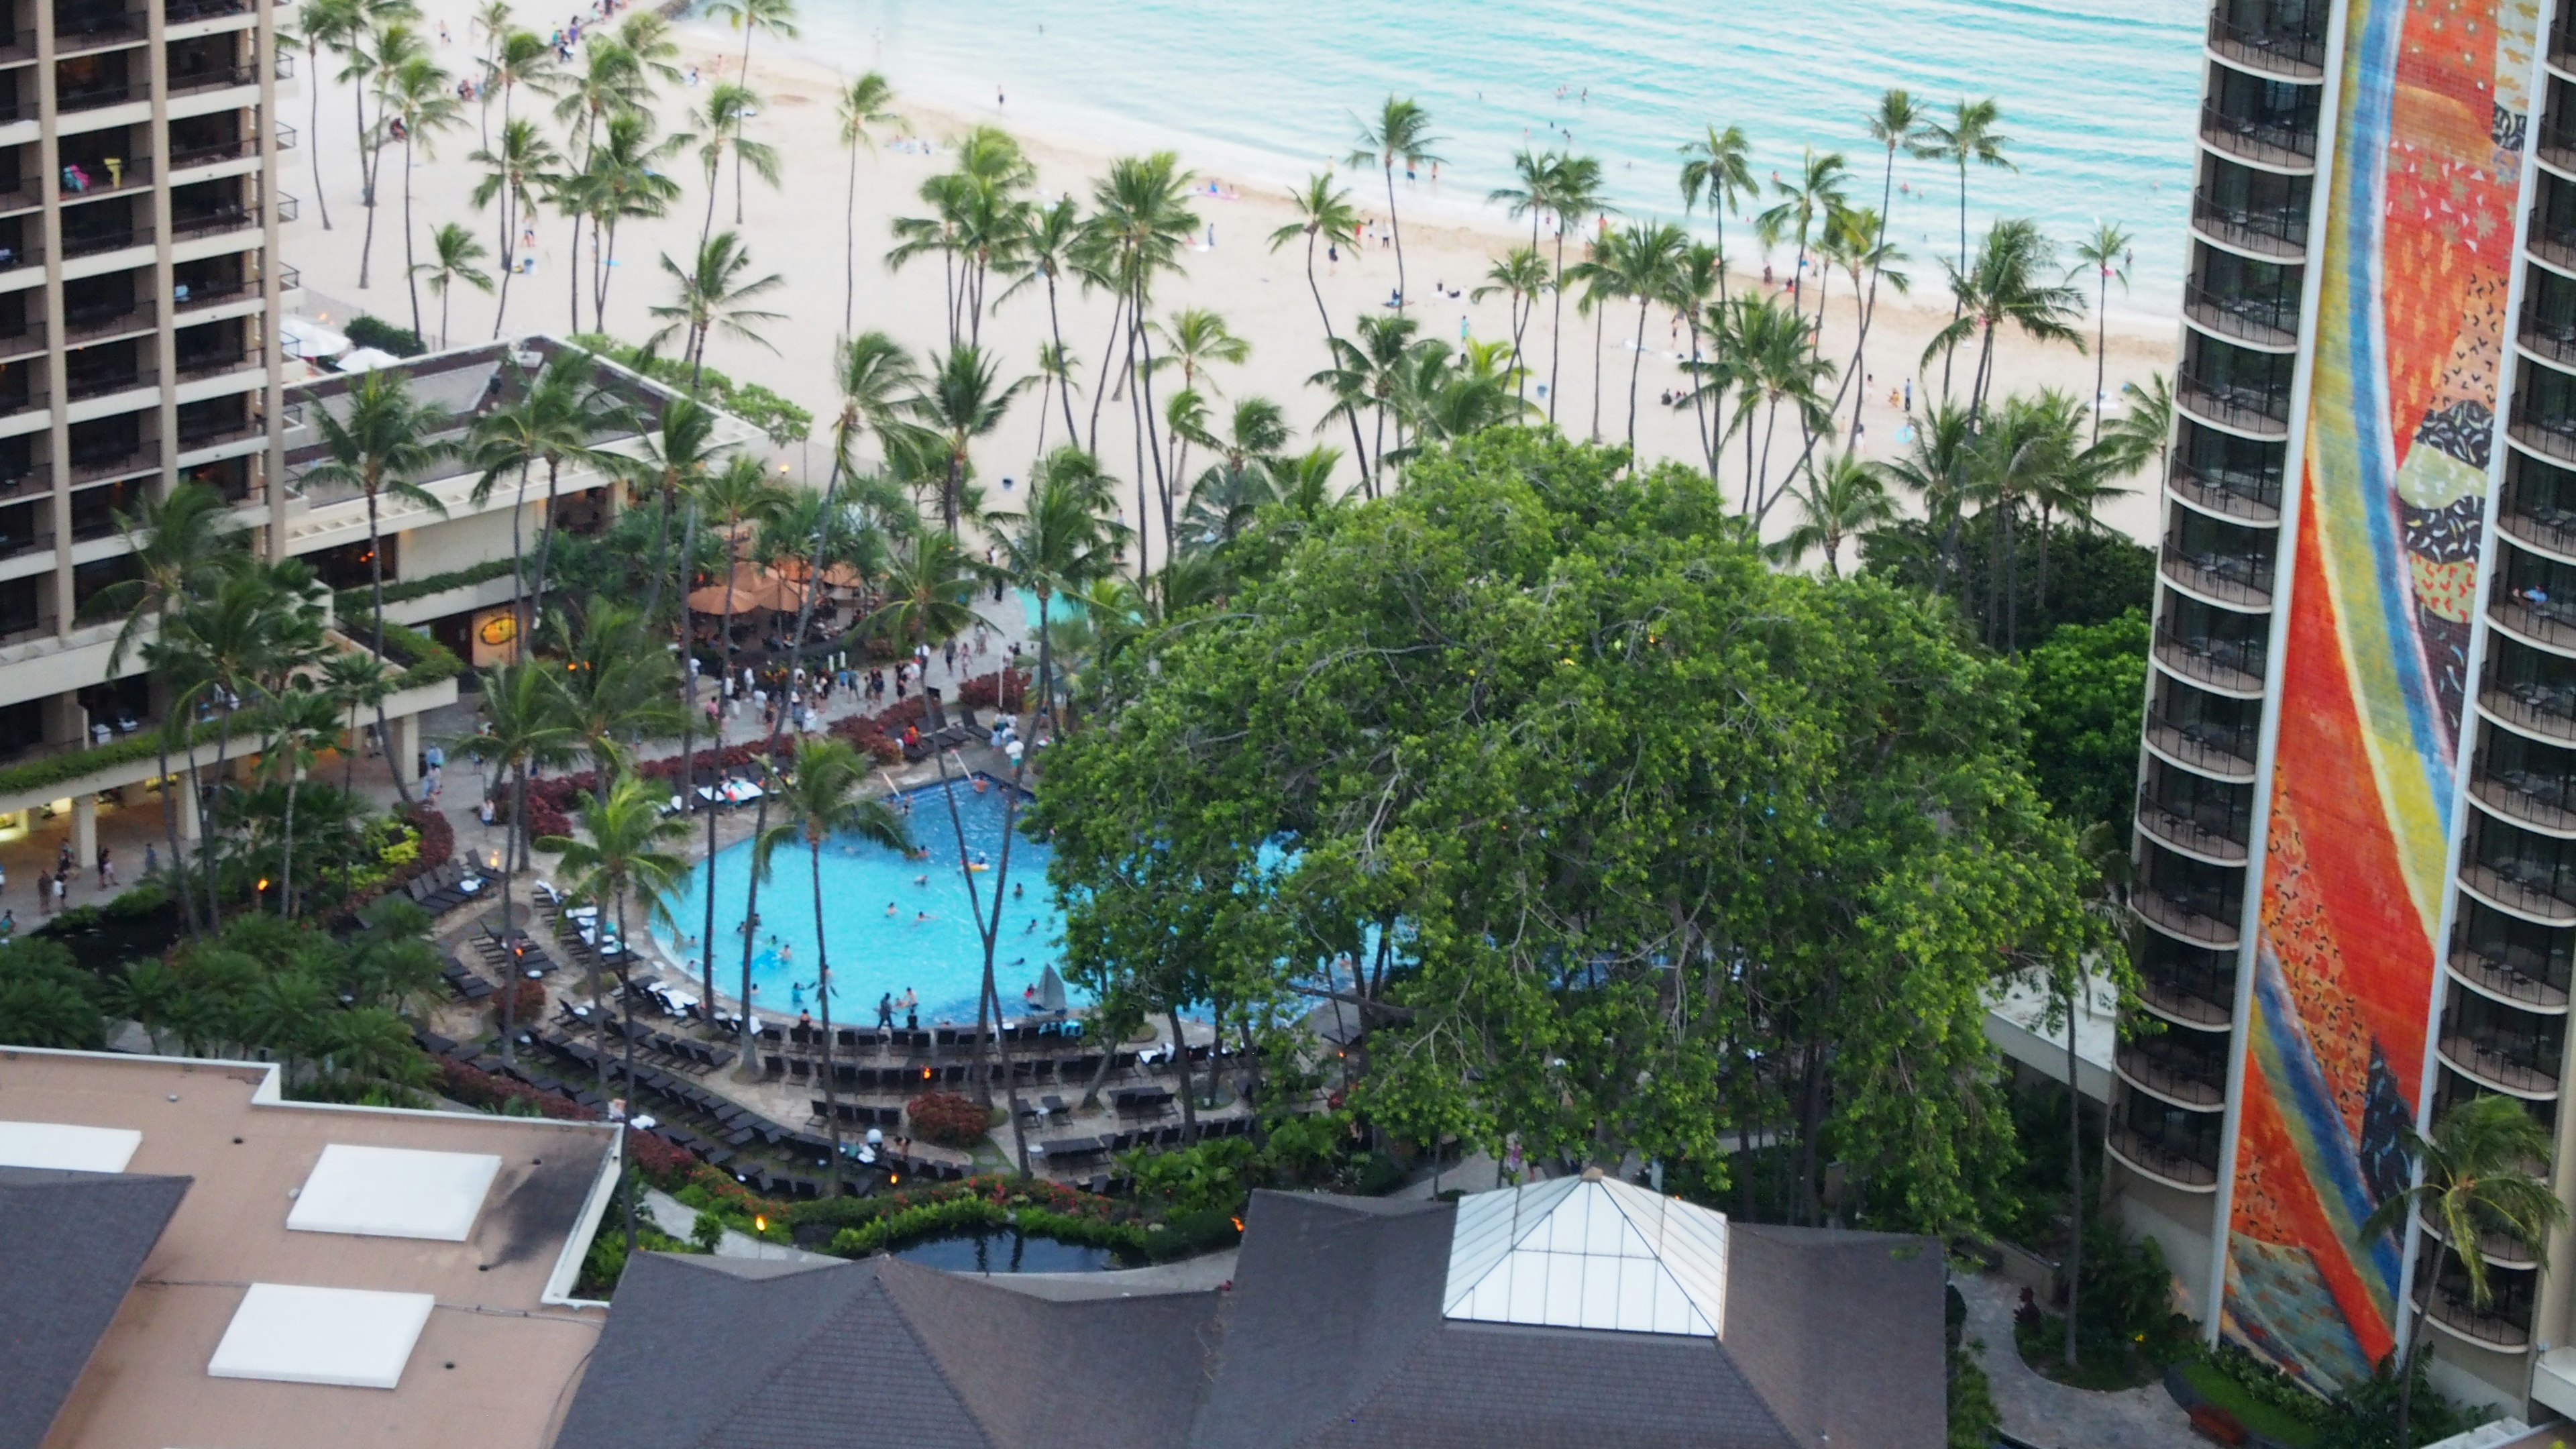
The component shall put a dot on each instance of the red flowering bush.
(1008, 687)
(478, 1088)
(947, 1118)
(663, 1162)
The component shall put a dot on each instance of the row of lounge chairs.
(923, 1078)
(800, 1037)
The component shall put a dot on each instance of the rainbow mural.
(2423, 193)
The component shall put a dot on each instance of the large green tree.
(1619, 841)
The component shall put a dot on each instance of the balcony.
(102, 239)
(2187, 993)
(2554, 245)
(2497, 1246)
(2551, 437)
(2235, 665)
(215, 78)
(2209, 839)
(2544, 526)
(2243, 580)
(181, 12)
(2521, 887)
(182, 157)
(216, 364)
(285, 137)
(192, 439)
(2183, 1076)
(2288, 143)
(2527, 797)
(2162, 1159)
(2548, 337)
(2519, 977)
(92, 95)
(2495, 1326)
(2542, 620)
(2535, 708)
(2262, 321)
(75, 34)
(2248, 497)
(88, 324)
(117, 463)
(2290, 54)
(2261, 412)
(2209, 748)
(214, 223)
(97, 179)
(2556, 147)
(2189, 915)
(2278, 232)
(2498, 1063)
(104, 381)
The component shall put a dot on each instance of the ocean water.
(940, 958)
(2099, 97)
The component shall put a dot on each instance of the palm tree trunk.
(1055, 329)
(410, 275)
(313, 63)
(366, 179)
(286, 841)
(514, 856)
(376, 585)
(170, 827)
(1395, 228)
(850, 250)
(211, 827)
(2101, 337)
(1117, 314)
(1597, 321)
(1556, 323)
(1181, 1065)
(1636, 360)
(626, 1071)
(823, 1003)
(1153, 434)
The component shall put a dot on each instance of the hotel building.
(2355, 894)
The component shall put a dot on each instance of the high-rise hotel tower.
(2356, 840)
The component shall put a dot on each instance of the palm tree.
(551, 420)
(1195, 338)
(354, 681)
(1574, 190)
(374, 57)
(962, 399)
(1717, 171)
(1843, 500)
(2474, 1180)
(383, 444)
(721, 122)
(1063, 540)
(778, 17)
(1897, 124)
(713, 295)
(1969, 135)
(2145, 431)
(826, 796)
(328, 25)
(179, 544)
(2107, 252)
(1770, 357)
(1223, 499)
(621, 179)
(646, 35)
(423, 101)
(1813, 195)
(2005, 286)
(878, 384)
(1698, 283)
(1401, 128)
(1140, 217)
(525, 165)
(677, 457)
(1521, 276)
(527, 724)
(1363, 376)
(1323, 211)
(1856, 240)
(457, 251)
(1046, 252)
(860, 104)
(1934, 468)
(929, 592)
(1641, 261)
(611, 83)
(297, 723)
(623, 858)
(739, 494)
(1527, 195)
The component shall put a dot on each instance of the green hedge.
(782, 420)
(358, 602)
(424, 660)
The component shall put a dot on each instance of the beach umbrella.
(725, 599)
(837, 576)
(1050, 990)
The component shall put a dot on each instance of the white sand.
(796, 230)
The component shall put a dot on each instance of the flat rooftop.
(450, 1284)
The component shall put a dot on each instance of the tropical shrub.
(948, 1118)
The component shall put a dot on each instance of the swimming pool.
(925, 944)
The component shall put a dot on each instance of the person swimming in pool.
(920, 916)
(890, 909)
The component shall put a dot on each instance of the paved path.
(2051, 1415)
(672, 1217)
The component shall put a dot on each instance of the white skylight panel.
(346, 1337)
(63, 1146)
(1589, 1253)
(394, 1192)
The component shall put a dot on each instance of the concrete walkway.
(2051, 1415)
(679, 1220)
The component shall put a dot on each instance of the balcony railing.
(2529, 797)
(2184, 833)
(2253, 497)
(2505, 979)
(2557, 146)
(192, 439)
(2199, 998)
(286, 65)
(2534, 708)
(91, 323)
(180, 12)
(2223, 663)
(2226, 753)
(2185, 916)
(2525, 890)
(91, 96)
(214, 78)
(2554, 245)
(2499, 1065)
(2268, 321)
(2265, 140)
(2543, 526)
(183, 157)
(2545, 621)
(100, 384)
(224, 219)
(2494, 1244)
(216, 364)
(2272, 231)
(111, 465)
(96, 32)
(2156, 1159)
(285, 137)
(106, 240)
(2555, 437)
(101, 179)
(2261, 411)
(2174, 1080)
(2229, 578)
(2551, 337)
(2292, 53)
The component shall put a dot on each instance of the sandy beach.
(797, 231)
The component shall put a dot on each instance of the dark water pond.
(1006, 1252)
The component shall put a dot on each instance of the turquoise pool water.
(926, 942)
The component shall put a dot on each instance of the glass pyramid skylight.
(1588, 1252)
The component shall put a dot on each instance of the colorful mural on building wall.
(2434, 108)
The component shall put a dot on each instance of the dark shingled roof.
(76, 1240)
(1332, 1336)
